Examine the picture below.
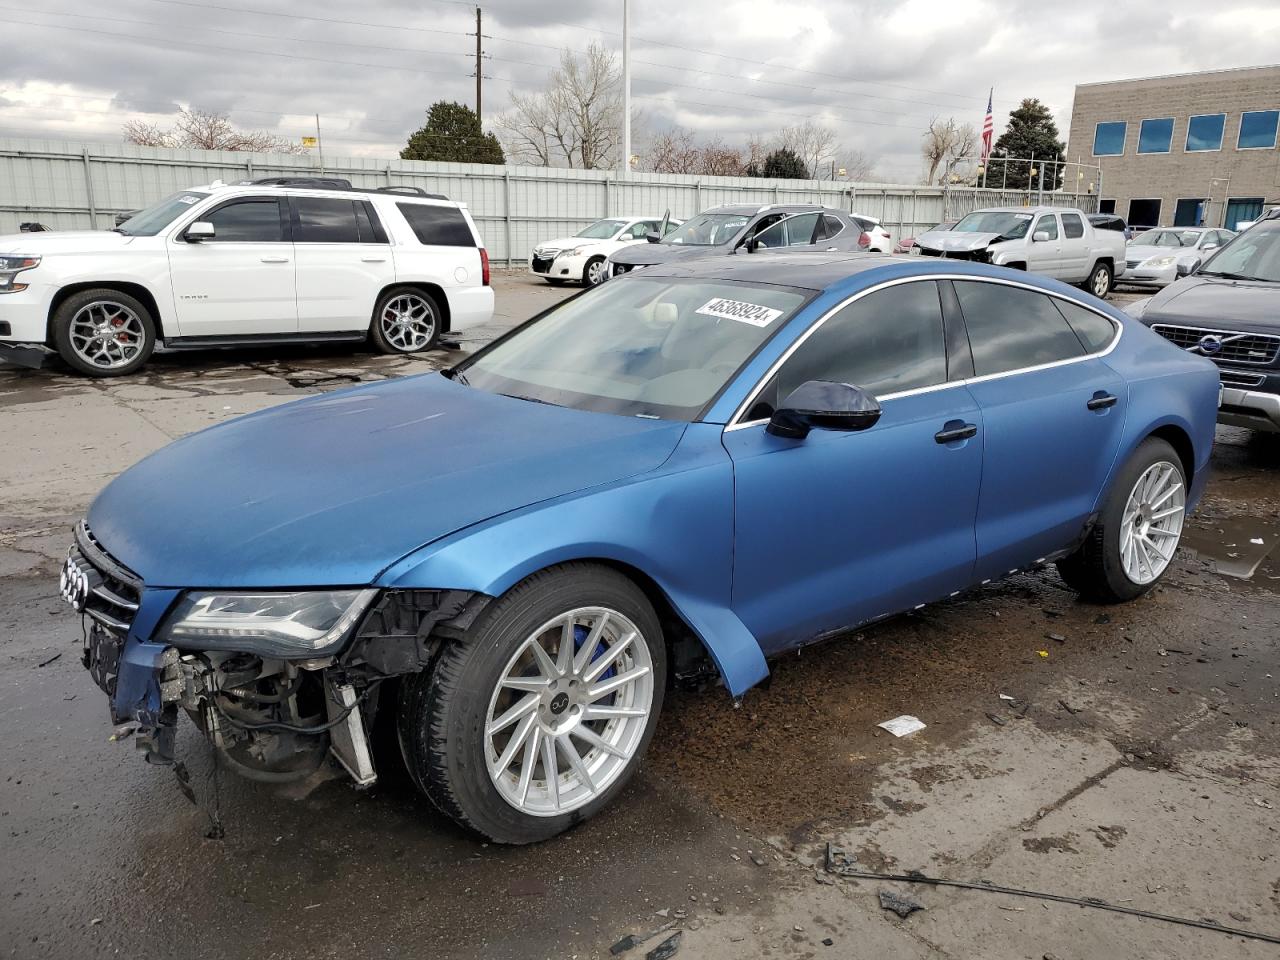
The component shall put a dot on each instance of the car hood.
(952, 241)
(566, 243)
(69, 241)
(332, 490)
(1249, 306)
(649, 254)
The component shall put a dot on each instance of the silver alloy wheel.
(569, 711)
(1101, 282)
(1151, 525)
(597, 272)
(106, 334)
(408, 322)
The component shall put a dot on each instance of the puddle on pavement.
(1233, 547)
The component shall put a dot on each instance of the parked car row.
(268, 261)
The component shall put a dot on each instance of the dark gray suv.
(748, 228)
(1228, 309)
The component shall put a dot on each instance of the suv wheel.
(405, 321)
(538, 716)
(103, 332)
(1138, 530)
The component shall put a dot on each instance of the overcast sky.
(874, 71)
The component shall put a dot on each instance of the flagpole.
(986, 137)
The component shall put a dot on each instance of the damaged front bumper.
(270, 718)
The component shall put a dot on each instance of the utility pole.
(625, 171)
(319, 144)
(479, 72)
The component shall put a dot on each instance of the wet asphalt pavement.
(1137, 760)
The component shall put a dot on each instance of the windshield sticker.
(188, 199)
(1022, 216)
(751, 313)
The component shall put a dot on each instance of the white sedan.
(1153, 256)
(582, 257)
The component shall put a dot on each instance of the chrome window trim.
(736, 424)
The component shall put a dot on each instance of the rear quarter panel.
(1168, 387)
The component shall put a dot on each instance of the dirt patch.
(1109, 836)
(1050, 844)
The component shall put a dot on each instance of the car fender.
(147, 267)
(630, 524)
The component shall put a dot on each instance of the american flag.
(988, 127)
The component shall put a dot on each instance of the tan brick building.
(1185, 149)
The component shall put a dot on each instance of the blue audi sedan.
(673, 476)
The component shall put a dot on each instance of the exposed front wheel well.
(435, 290)
(1016, 265)
(136, 290)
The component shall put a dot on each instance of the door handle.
(373, 259)
(956, 430)
(275, 259)
(1100, 401)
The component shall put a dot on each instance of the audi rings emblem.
(74, 585)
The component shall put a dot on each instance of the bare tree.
(944, 142)
(856, 164)
(205, 130)
(720, 160)
(575, 121)
(673, 151)
(814, 144)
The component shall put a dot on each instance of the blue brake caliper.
(579, 638)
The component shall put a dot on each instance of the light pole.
(626, 89)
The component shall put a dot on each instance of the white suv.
(276, 261)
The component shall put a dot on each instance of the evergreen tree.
(452, 132)
(784, 164)
(1030, 134)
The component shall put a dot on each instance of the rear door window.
(1072, 226)
(1011, 328)
(800, 229)
(370, 226)
(1094, 331)
(437, 225)
(829, 227)
(325, 220)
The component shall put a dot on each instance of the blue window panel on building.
(1155, 136)
(1108, 139)
(1205, 132)
(1258, 129)
(1242, 209)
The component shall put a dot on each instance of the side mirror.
(1186, 268)
(653, 236)
(752, 243)
(1040, 236)
(825, 405)
(1210, 246)
(198, 231)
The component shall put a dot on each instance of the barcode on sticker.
(751, 313)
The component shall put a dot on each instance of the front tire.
(564, 673)
(1101, 281)
(1138, 529)
(595, 272)
(406, 320)
(104, 332)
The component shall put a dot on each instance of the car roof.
(751, 209)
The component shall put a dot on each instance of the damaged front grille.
(110, 592)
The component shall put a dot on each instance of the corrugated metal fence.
(69, 186)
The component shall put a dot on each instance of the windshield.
(645, 347)
(1253, 255)
(149, 222)
(708, 229)
(602, 229)
(1010, 226)
(1166, 238)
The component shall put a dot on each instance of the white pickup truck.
(1057, 242)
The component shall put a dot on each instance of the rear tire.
(1136, 534)
(463, 725)
(406, 320)
(104, 332)
(1100, 282)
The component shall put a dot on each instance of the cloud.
(874, 72)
